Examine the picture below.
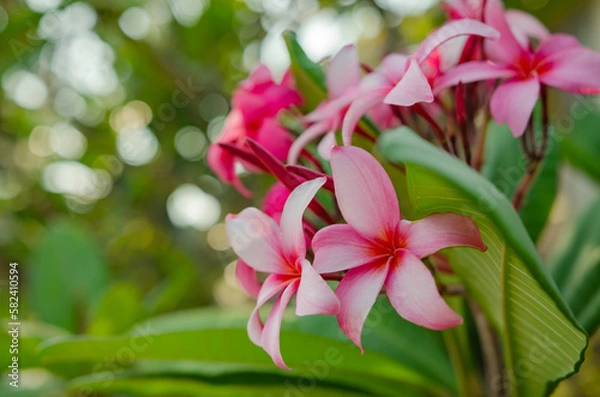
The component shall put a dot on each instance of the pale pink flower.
(400, 81)
(559, 61)
(378, 248)
(280, 251)
(255, 105)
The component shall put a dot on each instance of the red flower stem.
(332, 276)
(461, 119)
(437, 130)
(313, 160)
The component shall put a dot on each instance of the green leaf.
(119, 309)
(576, 268)
(581, 147)
(543, 343)
(505, 165)
(226, 349)
(67, 273)
(309, 76)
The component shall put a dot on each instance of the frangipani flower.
(255, 106)
(400, 81)
(378, 248)
(280, 251)
(559, 61)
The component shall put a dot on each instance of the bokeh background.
(106, 111)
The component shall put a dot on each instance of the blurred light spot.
(39, 141)
(215, 126)
(68, 103)
(109, 163)
(135, 23)
(25, 88)
(75, 179)
(187, 12)
(190, 143)
(133, 116)
(26, 160)
(273, 51)
(213, 105)
(3, 18)
(137, 147)
(93, 115)
(74, 19)
(369, 20)
(229, 275)
(406, 7)
(217, 238)
(42, 5)
(251, 56)
(189, 205)
(227, 296)
(320, 35)
(85, 62)
(67, 141)
(158, 11)
(9, 186)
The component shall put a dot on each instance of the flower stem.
(492, 356)
(437, 130)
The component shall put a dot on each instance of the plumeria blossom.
(378, 248)
(255, 106)
(559, 61)
(280, 251)
(400, 81)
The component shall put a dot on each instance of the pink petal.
(439, 231)
(254, 237)
(451, 30)
(576, 71)
(246, 277)
(470, 72)
(358, 292)
(272, 285)
(292, 233)
(314, 295)
(371, 97)
(312, 132)
(324, 147)
(276, 139)
(364, 193)
(275, 200)
(412, 291)
(506, 49)
(412, 88)
(391, 70)
(340, 247)
(270, 335)
(343, 71)
(513, 102)
(556, 44)
(524, 26)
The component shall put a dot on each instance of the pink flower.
(255, 106)
(379, 248)
(559, 61)
(275, 200)
(280, 251)
(400, 80)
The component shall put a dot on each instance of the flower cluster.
(485, 61)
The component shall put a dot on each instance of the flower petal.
(371, 96)
(340, 247)
(324, 147)
(451, 30)
(254, 237)
(314, 295)
(412, 291)
(276, 139)
(312, 132)
(292, 233)
(272, 285)
(470, 72)
(246, 277)
(364, 193)
(556, 44)
(439, 231)
(343, 71)
(515, 113)
(358, 292)
(270, 335)
(506, 49)
(412, 88)
(524, 26)
(575, 70)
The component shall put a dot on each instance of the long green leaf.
(543, 343)
(581, 147)
(576, 269)
(341, 362)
